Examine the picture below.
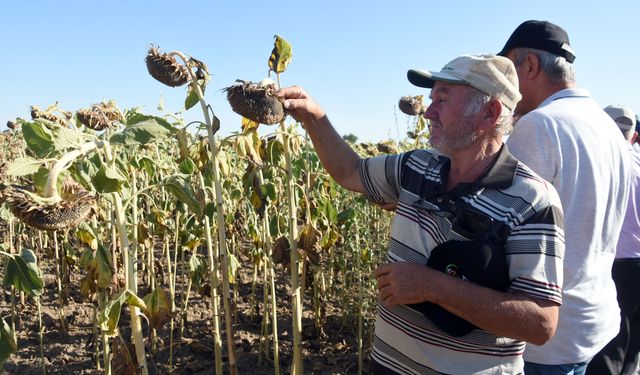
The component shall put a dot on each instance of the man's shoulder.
(426, 158)
(530, 186)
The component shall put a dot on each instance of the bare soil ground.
(73, 352)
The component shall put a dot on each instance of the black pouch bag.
(480, 261)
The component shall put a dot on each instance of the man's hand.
(402, 283)
(300, 104)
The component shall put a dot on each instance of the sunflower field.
(136, 244)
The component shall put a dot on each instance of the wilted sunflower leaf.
(248, 144)
(23, 273)
(234, 265)
(148, 166)
(280, 55)
(183, 143)
(8, 345)
(192, 98)
(142, 129)
(110, 313)
(158, 309)
(101, 264)
(330, 238)
(248, 125)
(5, 214)
(39, 138)
(108, 180)
(23, 166)
(328, 209)
(421, 124)
(187, 166)
(179, 187)
(346, 215)
(86, 236)
(196, 270)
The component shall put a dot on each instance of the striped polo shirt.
(512, 195)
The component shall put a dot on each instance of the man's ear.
(533, 65)
(634, 137)
(492, 112)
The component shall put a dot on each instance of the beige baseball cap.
(624, 117)
(494, 75)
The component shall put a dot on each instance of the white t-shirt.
(571, 142)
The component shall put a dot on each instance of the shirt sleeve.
(535, 252)
(381, 178)
(531, 142)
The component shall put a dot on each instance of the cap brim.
(426, 79)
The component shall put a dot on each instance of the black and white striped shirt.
(512, 195)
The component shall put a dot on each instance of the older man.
(566, 137)
(468, 198)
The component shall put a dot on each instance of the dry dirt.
(73, 352)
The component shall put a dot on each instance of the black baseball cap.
(542, 35)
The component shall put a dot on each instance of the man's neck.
(548, 88)
(467, 165)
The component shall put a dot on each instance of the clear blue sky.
(352, 56)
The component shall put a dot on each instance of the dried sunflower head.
(280, 251)
(13, 125)
(75, 206)
(256, 102)
(387, 147)
(412, 105)
(93, 118)
(309, 243)
(165, 68)
(99, 116)
(36, 113)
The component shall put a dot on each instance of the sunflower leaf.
(280, 55)
(23, 273)
(8, 345)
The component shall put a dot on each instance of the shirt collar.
(499, 175)
(575, 92)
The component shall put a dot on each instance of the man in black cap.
(566, 137)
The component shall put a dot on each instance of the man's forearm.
(337, 157)
(507, 314)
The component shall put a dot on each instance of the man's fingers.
(382, 269)
(293, 92)
(382, 282)
(294, 104)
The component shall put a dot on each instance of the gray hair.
(477, 100)
(557, 68)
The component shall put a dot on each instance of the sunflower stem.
(41, 336)
(297, 364)
(51, 188)
(213, 283)
(63, 323)
(130, 271)
(13, 288)
(222, 239)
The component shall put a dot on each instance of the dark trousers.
(622, 354)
